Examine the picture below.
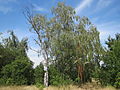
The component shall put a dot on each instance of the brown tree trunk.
(81, 72)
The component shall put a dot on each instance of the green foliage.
(117, 82)
(77, 80)
(11, 49)
(6, 56)
(39, 74)
(19, 72)
(74, 41)
(15, 67)
(40, 86)
(2, 82)
(12, 43)
(56, 78)
(111, 67)
(67, 40)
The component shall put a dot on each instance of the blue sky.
(104, 14)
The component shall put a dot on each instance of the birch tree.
(40, 26)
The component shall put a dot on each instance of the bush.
(39, 74)
(40, 86)
(109, 71)
(19, 72)
(117, 83)
(2, 82)
(56, 78)
(59, 81)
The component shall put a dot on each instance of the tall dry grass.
(70, 87)
(19, 88)
(78, 88)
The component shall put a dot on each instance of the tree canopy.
(70, 46)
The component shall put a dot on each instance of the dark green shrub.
(39, 74)
(40, 86)
(19, 72)
(2, 82)
(56, 78)
(109, 71)
(117, 82)
(77, 81)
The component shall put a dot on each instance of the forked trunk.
(80, 69)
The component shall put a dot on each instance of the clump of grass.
(40, 86)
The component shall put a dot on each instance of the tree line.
(71, 48)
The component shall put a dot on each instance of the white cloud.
(102, 4)
(34, 57)
(38, 8)
(82, 5)
(5, 10)
(115, 10)
(7, 1)
(108, 28)
(94, 19)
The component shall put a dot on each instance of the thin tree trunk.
(81, 72)
(46, 76)
(46, 71)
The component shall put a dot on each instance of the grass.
(87, 86)
(18, 88)
(84, 87)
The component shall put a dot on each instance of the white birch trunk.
(46, 74)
